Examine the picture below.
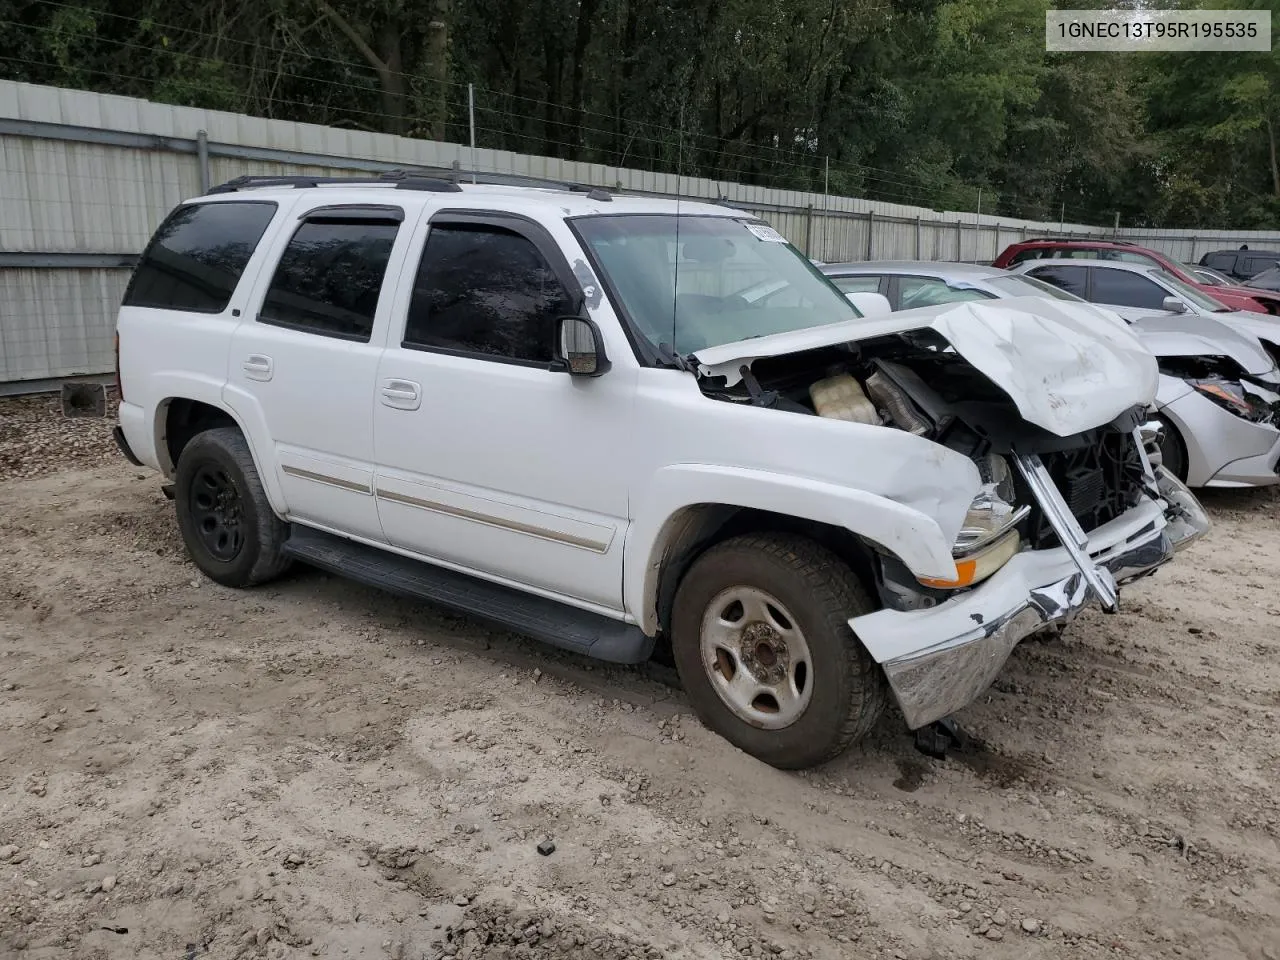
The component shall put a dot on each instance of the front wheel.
(761, 641)
(1173, 450)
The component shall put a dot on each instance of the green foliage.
(928, 102)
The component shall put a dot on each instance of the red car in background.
(1235, 297)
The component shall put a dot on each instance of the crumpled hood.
(1187, 335)
(1068, 367)
(1261, 325)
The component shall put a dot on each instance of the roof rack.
(429, 180)
(1122, 243)
(397, 178)
(458, 175)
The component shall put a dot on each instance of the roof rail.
(458, 175)
(397, 178)
(431, 180)
(1122, 243)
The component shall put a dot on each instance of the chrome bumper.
(967, 639)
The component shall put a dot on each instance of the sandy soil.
(317, 769)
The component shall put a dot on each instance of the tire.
(758, 594)
(1173, 450)
(227, 524)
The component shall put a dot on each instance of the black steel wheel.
(215, 508)
(230, 531)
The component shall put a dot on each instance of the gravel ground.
(317, 769)
(36, 439)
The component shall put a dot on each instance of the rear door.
(1120, 288)
(1071, 279)
(304, 362)
(1251, 266)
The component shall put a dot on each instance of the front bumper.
(977, 630)
(1224, 450)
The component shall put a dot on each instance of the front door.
(488, 458)
(303, 365)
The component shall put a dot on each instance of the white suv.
(610, 421)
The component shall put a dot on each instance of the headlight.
(987, 540)
(1243, 398)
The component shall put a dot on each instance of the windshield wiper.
(673, 360)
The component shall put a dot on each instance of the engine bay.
(917, 383)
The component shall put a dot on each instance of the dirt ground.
(317, 769)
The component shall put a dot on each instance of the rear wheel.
(227, 524)
(765, 654)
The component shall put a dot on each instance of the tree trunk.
(438, 67)
(390, 79)
(586, 14)
(1275, 170)
(630, 35)
(391, 76)
(551, 64)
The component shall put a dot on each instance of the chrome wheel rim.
(756, 657)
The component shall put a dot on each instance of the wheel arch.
(696, 528)
(180, 418)
(675, 525)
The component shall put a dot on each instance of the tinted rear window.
(329, 278)
(195, 259)
(1071, 279)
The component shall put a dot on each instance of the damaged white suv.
(610, 421)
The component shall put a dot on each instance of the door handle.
(401, 394)
(258, 366)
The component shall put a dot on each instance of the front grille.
(1099, 483)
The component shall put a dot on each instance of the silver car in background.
(1219, 394)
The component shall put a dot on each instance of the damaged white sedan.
(610, 422)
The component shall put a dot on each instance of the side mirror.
(870, 304)
(580, 348)
(1173, 305)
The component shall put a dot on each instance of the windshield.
(1189, 293)
(705, 281)
(1023, 286)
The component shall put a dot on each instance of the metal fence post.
(808, 230)
(871, 233)
(917, 236)
(202, 155)
(959, 239)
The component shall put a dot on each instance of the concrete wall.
(86, 177)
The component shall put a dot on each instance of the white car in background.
(1219, 394)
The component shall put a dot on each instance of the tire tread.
(836, 594)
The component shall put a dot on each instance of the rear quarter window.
(197, 256)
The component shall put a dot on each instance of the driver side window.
(487, 291)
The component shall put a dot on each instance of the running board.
(557, 624)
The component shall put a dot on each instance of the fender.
(166, 385)
(913, 536)
(1171, 389)
(248, 414)
(171, 386)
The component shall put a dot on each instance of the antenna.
(675, 272)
